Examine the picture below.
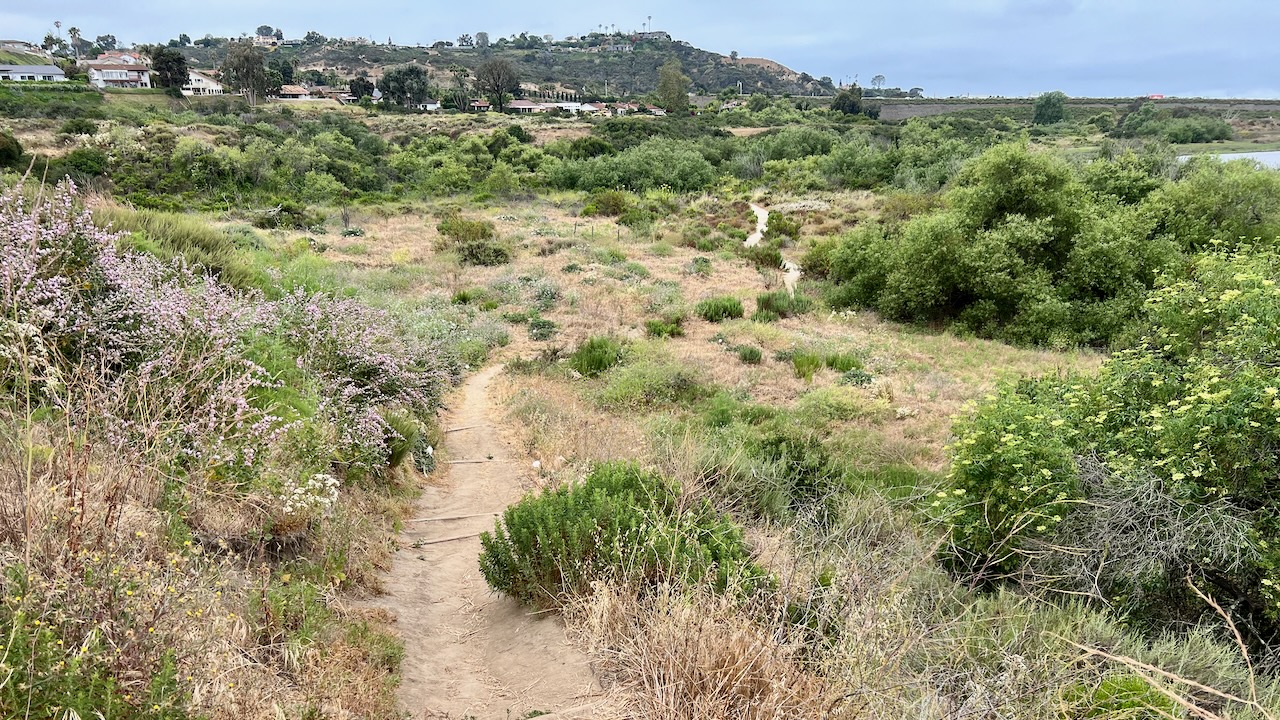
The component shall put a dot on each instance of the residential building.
(430, 105)
(32, 73)
(623, 109)
(525, 107)
(22, 46)
(199, 84)
(110, 75)
(265, 41)
(294, 92)
(656, 35)
(480, 106)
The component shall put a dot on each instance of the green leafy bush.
(542, 329)
(749, 354)
(719, 309)
(78, 126)
(700, 266)
(621, 523)
(596, 356)
(1168, 451)
(668, 326)
(607, 202)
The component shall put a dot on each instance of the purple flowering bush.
(157, 428)
(152, 355)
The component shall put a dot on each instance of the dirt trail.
(468, 652)
(791, 271)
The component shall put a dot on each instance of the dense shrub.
(668, 326)
(170, 235)
(749, 354)
(1168, 452)
(10, 148)
(1023, 252)
(719, 309)
(78, 126)
(595, 356)
(620, 523)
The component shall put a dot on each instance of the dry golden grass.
(694, 654)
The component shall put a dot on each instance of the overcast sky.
(1220, 48)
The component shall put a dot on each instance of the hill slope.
(554, 69)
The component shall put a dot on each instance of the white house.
(294, 92)
(120, 76)
(32, 73)
(198, 85)
(430, 105)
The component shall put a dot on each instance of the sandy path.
(468, 652)
(791, 271)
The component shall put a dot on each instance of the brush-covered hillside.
(568, 67)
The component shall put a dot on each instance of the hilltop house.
(32, 73)
(24, 47)
(199, 84)
(294, 92)
(119, 75)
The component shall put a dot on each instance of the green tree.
(265, 30)
(408, 85)
(465, 40)
(1051, 107)
(848, 101)
(314, 38)
(497, 78)
(170, 67)
(482, 40)
(185, 39)
(673, 87)
(361, 87)
(245, 71)
(106, 42)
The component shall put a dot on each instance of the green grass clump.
(170, 235)
(475, 241)
(469, 296)
(621, 523)
(596, 356)
(668, 326)
(749, 354)
(842, 362)
(719, 309)
(782, 304)
(807, 364)
(765, 316)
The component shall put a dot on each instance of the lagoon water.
(1269, 159)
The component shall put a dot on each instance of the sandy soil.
(470, 653)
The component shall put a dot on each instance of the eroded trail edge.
(469, 652)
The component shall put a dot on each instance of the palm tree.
(75, 41)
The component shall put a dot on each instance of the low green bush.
(782, 304)
(807, 364)
(621, 523)
(607, 202)
(765, 316)
(596, 356)
(542, 329)
(842, 362)
(648, 382)
(668, 326)
(719, 309)
(459, 229)
(700, 266)
(484, 253)
(749, 354)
